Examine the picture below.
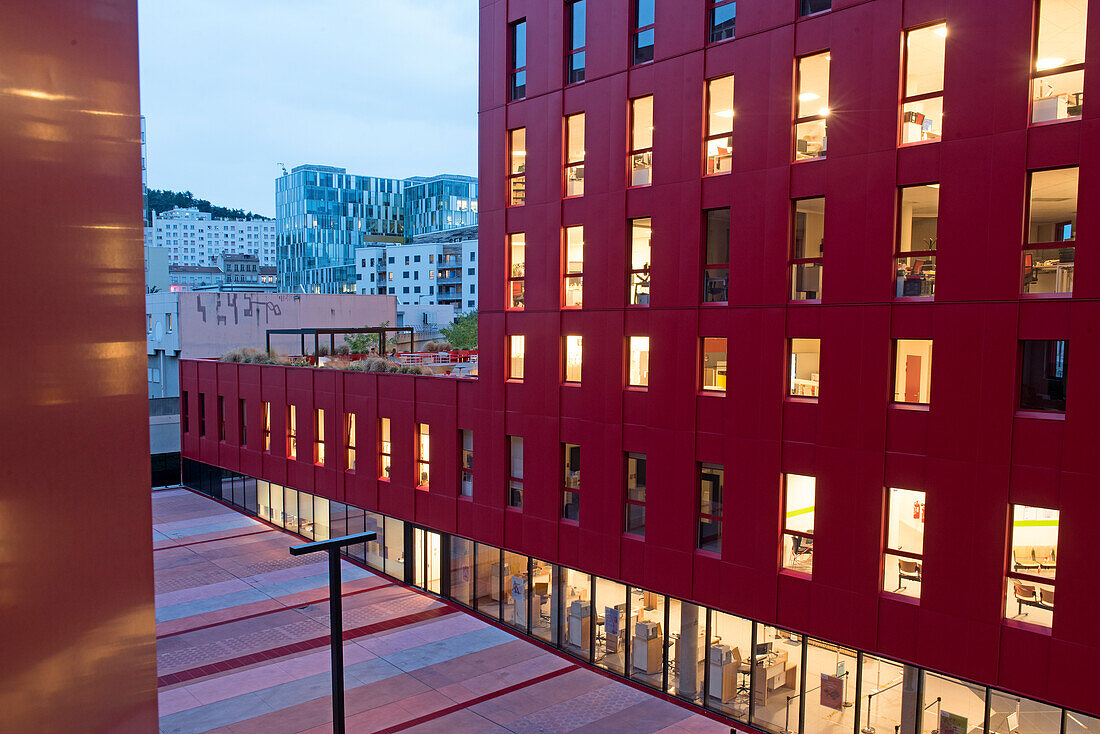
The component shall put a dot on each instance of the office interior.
(1048, 265)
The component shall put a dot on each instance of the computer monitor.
(763, 648)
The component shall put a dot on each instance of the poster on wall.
(518, 587)
(611, 621)
(952, 723)
(832, 692)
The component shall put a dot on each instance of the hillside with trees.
(162, 200)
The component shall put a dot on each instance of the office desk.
(772, 674)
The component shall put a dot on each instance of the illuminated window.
(265, 427)
(918, 230)
(292, 432)
(349, 440)
(709, 521)
(517, 253)
(574, 155)
(645, 20)
(723, 18)
(1044, 367)
(809, 7)
(575, 41)
(518, 44)
(922, 100)
(798, 522)
(1058, 74)
(515, 471)
(517, 156)
(319, 437)
(635, 494)
(805, 367)
(1048, 264)
(808, 248)
(812, 107)
(571, 481)
(1033, 564)
(515, 357)
(714, 363)
(466, 441)
(719, 142)
(385, 449)
(242, 415)
(423, 441)
(641, 141)
(904, 542)
(573, 358)
(573, 268)
(638, 375)
(716, 265)
(641, 231)
(913, 371)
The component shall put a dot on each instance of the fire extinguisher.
(916, 510)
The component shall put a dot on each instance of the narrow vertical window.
(573, 268)
(515, 471)
(635, 494)
(202, 414)
(1044, 369)
(515, 356)
(349, 440)
(573, 358)
(385, 449)
(1049, 252)
(709, 531)
(723, 18)
(918, 231)
(221, 418)
(571, 481)
(292, 432)
(812, 107)
(574, 155)
(575, 41)
(1033, 564)
(518, 75)
(714, 363)
(1058, 73)
(185, 412)
(423, 444)
(904, 542)
(319, 437)
(805, 367)
(638, 372)
(641, 232)
(645, 20)
(922, 98)
(242, 415)
(913, 371)
(809, 7)
(716, 258)
(466, 482)
(808, 249)
(641, 141)
(798, 522)
(265, 425)
(719, 139)
(517, 271)
(517, 167)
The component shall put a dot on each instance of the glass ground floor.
(770, 678)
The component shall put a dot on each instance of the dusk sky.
(231, 88)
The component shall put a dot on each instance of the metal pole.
(336, 631)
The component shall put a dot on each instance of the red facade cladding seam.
(970, 451)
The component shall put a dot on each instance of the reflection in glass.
(462, 570)
(395, 548)
(487, 580)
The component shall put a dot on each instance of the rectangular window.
(904, 552)
(723, 17)
(1033, 564)
(808, 249)
(515, 356)
(798, 522)
(1044, 366)
(1051, 231)
(168, 320)
(221, 418)
(385, 449)
(918, 230)
(809, 7)
(913, 371)
(466, 441)
(805, 367)
(716, 264)
(515, 471)
(423, 443)
(719, 136)
(573, 268)
(575, 41)
(517, 253)
(635, 494)
(641, 232)
(638, 374)
(641, 141)
(265, 425)
(185, 412)
(518, 44)
(349, 441)
(517, 167)
(202, 414)
(573, 358)
(292, 432)
(574, 155)
(922, 96)
(1058, 75)
(319, 437)
(242, 416)
(571, 481)
(645, 20)
(714, 363)
(709, 535)
(812, 107)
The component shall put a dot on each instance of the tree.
(462, 334)
(162, 200)
(361, 343)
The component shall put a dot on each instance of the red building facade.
(902, 519)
